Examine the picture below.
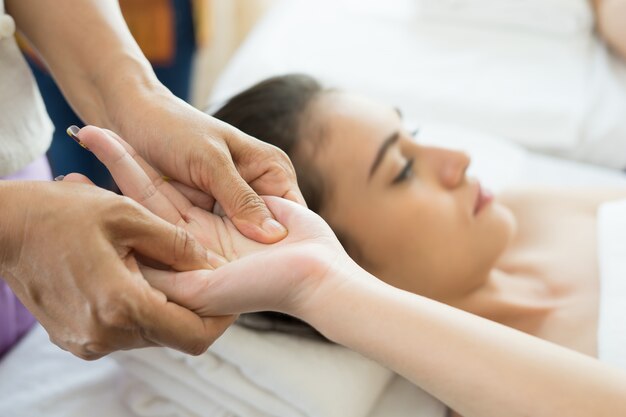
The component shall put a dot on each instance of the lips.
(483, 198)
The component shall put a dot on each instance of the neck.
(516, 300)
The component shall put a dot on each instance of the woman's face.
(413, 217)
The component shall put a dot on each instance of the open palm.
(248, 276)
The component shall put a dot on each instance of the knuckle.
(183, 242)
(247, 202)
(87, 354)
(120, 211)
(147, 193)
(112, 313)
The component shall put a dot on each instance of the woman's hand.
(249, 276)
(69, 253)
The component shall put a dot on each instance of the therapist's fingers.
(129, 176)
(168, 324)
(162, 183)
(240, 203)
(155, 238)
(196, 197)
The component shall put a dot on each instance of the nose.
(449, 165)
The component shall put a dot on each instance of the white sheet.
(248, 373)
(612, 261)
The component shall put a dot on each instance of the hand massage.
(311, 245)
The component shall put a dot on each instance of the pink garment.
(15, 320)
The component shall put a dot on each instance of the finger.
(280, 187)
(179, 328)
(128, 175)
(78, 178)
(296, 196)
(169, 324)
(180, 201)
(183, 288)
(246, 285)
(268, 170)
(157, 239)
(196, 197)
(242, 205)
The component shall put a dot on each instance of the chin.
(502, 229)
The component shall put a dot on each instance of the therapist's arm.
(611, 23)
(107, 80)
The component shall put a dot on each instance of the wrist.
(128, 87)
(338, 289)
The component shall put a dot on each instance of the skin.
(107, 80)
(610, 17)
(507, 262)
(402, 230)
(454, 355)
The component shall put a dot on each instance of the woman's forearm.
(477, 367)
(91, 54)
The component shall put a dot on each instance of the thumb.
(247, 285)
(243, 206)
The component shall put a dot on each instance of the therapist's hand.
(211, 156)
(69, 253)
(249, 276)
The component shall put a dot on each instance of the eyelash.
(405, 173)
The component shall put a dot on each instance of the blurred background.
(544, 75)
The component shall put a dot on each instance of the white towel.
(246, 373)
(612, 262)
(562, 17)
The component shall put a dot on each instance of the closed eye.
(406, 172)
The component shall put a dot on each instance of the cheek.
(417, 229)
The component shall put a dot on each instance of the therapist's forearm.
(10, 226)
(92, 56)
(477, 367)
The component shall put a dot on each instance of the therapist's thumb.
(245, 208)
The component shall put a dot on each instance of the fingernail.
(72, 131)
(59, 178)
(272, 227)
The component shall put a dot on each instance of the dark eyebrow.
(391, 139)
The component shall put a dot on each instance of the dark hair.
(275, 111)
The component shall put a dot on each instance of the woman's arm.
(475, 366)
(611, 21)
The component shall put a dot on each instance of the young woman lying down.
(489, 304)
